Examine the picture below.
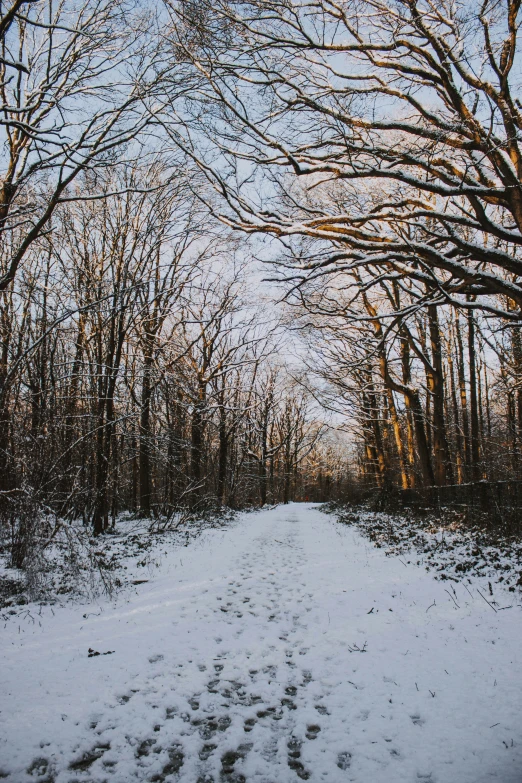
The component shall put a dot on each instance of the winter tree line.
(142, 372)
(368, 153)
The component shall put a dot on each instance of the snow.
(280, 648)
(443, 541)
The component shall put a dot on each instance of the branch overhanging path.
(283, 647)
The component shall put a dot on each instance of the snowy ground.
(442, 541)
(284, 647)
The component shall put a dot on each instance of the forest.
(161, 160)
(260, 391)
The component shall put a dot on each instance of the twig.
(456, 604)
(463, 585)
(356, 648)
(486, 600)
(429, 607)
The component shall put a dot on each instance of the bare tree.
(386, 133)
(73, 80)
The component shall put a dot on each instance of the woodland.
(254, 252)
(260, 391)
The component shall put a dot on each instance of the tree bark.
(145, 436)
(473, 400)
(441, 456)
(463, 394)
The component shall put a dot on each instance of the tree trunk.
(223, 458)
(463, 393)
(196, 444)
(413, 403)
(375, 426)
(386, 379)
(287, 465)
(441, 456)
(145, 436)
(473, 400)
(405, 478)
(456, 417)
(516, 341)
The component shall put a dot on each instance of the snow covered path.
(285, 647)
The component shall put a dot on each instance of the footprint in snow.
(206, 751)
(41, 769)
(208, 727)
(344, 760)
(88, 758)
(231, 757)
(294, 758)
(145, 747)
(212, 686)
(312, 731)
(173, 765)
(321, 709)
(249, 724)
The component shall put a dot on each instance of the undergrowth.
(440, 541)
